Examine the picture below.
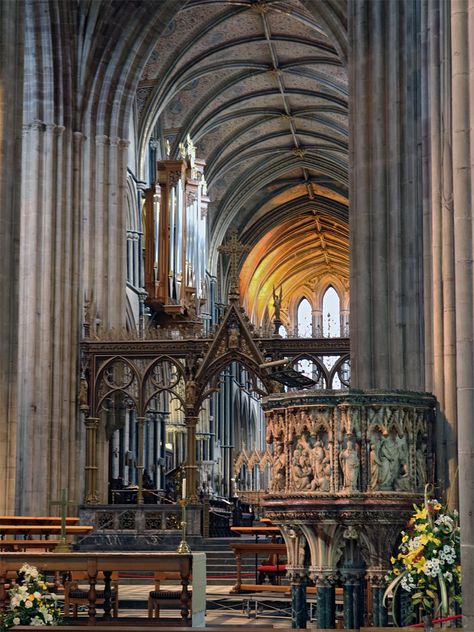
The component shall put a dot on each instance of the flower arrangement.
(427, 565)
(30, 603)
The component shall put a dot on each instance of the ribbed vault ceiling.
(260, 88)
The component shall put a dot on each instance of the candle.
(184, 489)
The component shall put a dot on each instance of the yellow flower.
(405, 538)
(396, 571)
(412, 556)
(392, 560)
(421, 527)
(421, 514)
(437, 506)
(420, 563)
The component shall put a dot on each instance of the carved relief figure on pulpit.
(321, 467)
(350, 465)
(421, 473)
(278, 482)
(375, 464)
(403, 482)
(389, 462)
(301, 469)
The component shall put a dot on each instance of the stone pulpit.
(347, 467)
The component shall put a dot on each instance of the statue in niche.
(403, 482)
(350, 464)
(190, 391)
(278, 468)
(421, 474)
(233, 339)
(83, 393)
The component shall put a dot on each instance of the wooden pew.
(29, 530)
(38, 520)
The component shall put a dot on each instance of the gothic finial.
(234, 248)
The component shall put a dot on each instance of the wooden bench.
(28, 545)
(36, 520)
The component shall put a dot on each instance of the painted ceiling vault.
(262, 91)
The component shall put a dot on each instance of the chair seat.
(166, 594)
(271, 568)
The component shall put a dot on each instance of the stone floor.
(222, 607)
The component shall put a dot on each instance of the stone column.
(11, 79)
(386, 217)
(298, 581)
(462, 38)
(317, 323)
(326, 600)
(438, 235)
(379, 612)
(353, 595)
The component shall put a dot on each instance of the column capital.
(298, 575)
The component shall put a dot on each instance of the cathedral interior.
(236, 270)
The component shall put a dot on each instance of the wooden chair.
(75, 595)
(163, 598)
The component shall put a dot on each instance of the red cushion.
(271, 569)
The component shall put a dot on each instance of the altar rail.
(128, 527)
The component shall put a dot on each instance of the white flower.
(16, 621)
(36, 621)
(28, 604)
(448, 576)
(37, 595)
